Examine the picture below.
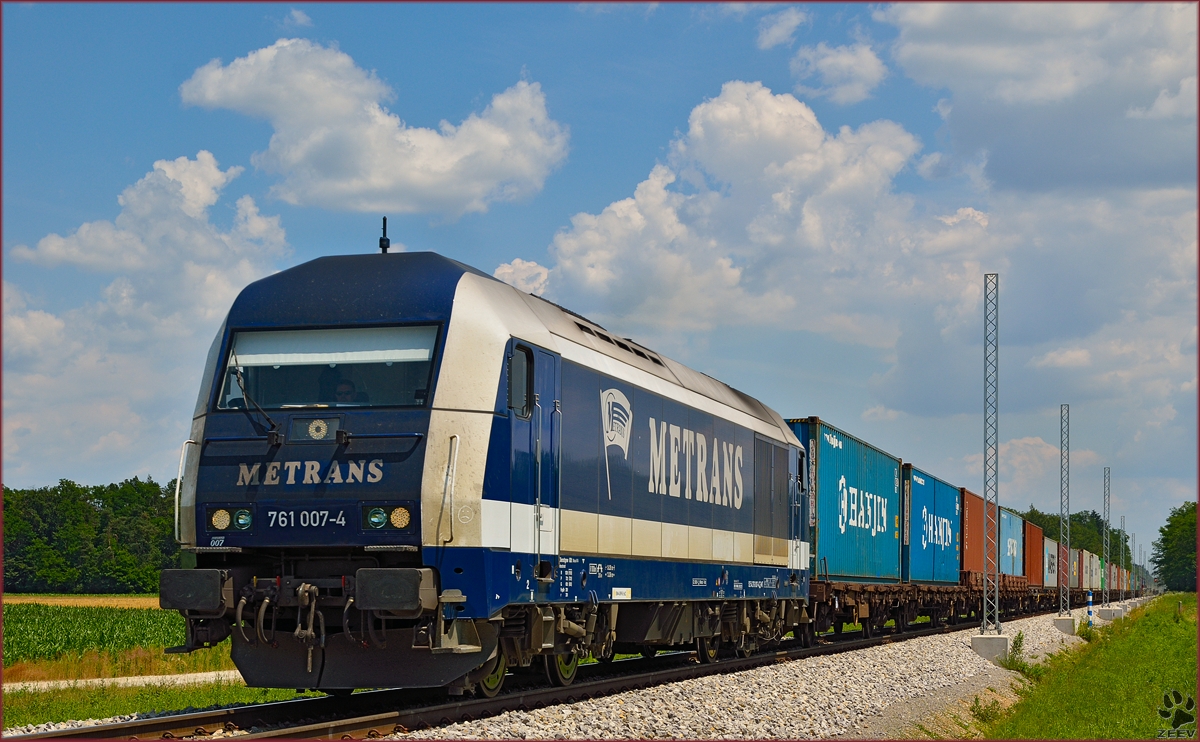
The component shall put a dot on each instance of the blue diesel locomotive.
(403, 472)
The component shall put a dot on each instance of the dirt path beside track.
(87, 601)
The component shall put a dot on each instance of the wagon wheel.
(707, 649)
(561, 668)
(648, 652)
(868, 630)
(807, 633)
(491, 683)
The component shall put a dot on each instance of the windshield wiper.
(274, 437)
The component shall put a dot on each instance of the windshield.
(360, 367)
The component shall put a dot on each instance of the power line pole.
(1064, 507)
(991, 454)
(1124, 561)
(1107, 559)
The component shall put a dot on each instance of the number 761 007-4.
(305, 518)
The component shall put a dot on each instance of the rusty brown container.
(972, 530)
(1034, 555)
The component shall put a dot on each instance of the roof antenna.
(384, 242)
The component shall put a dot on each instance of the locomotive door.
(536, 425)
(796, 532)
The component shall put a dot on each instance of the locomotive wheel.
(745, 648)
(561, 668)
(707, 649)
(491, 683)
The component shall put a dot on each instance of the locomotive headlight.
(377, 518)
(220, 519)
(242, 519)
(400, 518)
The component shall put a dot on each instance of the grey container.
(856, 488)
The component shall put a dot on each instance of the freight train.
(403, 472)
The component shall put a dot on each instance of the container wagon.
(856, 488)
(1012, 543)
(972, 531)
(1050, 560)
(1035, 572)
(932, 535)
(855, 491)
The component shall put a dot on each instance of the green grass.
(1111, 687)
(42, 632)
(32, 707)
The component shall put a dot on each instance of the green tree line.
(1087, 533)
(72, 538)
(1174, 553)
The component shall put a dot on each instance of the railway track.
(380, 713)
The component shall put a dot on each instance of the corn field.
(41, 632)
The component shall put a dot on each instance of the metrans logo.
(718, 478)
(936, 530)
(285, 472)
(861, 509)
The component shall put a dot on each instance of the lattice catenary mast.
(1064, 508)
(991, 454)
(1107, 559)
(1124, 561)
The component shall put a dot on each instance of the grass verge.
(1110, 688)
(130, 662)
(30, 707)
(109, 600)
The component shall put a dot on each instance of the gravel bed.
(54, 726)
(811, 698)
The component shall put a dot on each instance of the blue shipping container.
(856, 490)
(1012, 543)
(933, 536)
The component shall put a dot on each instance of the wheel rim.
(562, 668)
(493, 681)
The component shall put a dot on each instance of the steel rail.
(383, 712)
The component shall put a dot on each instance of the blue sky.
(800, 200)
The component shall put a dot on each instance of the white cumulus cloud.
(1082, 95)
(847, 74)
(1180, 105)
(297, 17)
(787, 198)
(526, 275)
(1064, 358)
(779, 28)
(113, 378)
(337, 146)
(1029, 466)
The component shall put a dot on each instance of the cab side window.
(520, 380)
